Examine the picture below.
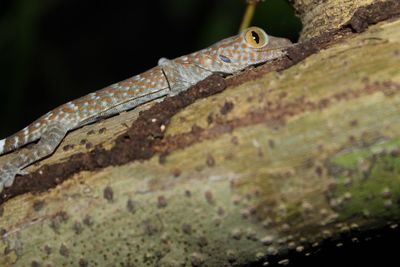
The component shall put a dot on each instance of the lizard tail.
(27, 135)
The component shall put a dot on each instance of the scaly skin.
(252, 46)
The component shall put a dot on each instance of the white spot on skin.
(16, 139)
(26, 135)
(26, 132)
(71, 105)
(2, 143)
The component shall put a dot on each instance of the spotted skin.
(252, 46)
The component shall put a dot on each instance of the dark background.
(52, 51)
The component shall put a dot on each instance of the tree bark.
(291, 154)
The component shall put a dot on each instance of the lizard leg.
(49, 141)
(175, 75)
(182, 75)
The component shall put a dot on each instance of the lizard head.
(250, 47)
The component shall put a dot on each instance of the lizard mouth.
(279, 43)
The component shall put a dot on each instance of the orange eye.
(256, 37)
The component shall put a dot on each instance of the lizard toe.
(6, 179)
(9, 181)
(22, 172)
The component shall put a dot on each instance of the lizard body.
(252, 46)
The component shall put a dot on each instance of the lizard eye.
(256, 37)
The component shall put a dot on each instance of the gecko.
(170, 77)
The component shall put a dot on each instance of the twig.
(248, 14)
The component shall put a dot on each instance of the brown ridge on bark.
(372, 14)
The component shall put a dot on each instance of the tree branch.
(281, 160)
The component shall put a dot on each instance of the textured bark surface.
(286, 157)
(319, 17)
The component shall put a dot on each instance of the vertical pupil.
(255, 36)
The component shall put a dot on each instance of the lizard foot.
(7, 177)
